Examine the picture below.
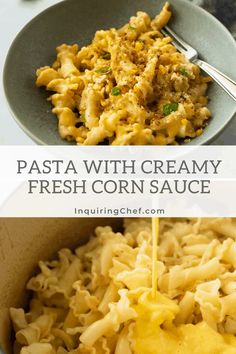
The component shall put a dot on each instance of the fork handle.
(224, 81)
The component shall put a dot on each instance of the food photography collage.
(118, 177)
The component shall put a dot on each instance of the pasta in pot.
(97, 299)
(128, 87)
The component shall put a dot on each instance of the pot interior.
(23, 242)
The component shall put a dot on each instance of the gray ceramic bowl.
(75, 21)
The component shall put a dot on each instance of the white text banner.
(102, 181)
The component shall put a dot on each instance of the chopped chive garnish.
(132, 28)
(141, 40)
(183, 71)
(106, 56)
(170, 107)
(83, 118)
(116, 91)
(104, 70)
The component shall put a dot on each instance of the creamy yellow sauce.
(154, 331)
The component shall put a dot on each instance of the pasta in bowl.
(128, 87)
(98, 298)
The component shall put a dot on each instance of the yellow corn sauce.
(154, 331)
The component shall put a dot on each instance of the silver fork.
(224, 81)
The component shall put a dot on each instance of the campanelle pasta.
(128, 87)
(98, 299)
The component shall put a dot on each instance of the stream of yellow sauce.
(155, 239)
(155, 331)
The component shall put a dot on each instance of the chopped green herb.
(83, 118)
(116, 91)
(104, 70)
(183, 71)
(170, 107)
(141, 40)
(106, 56)
(132, 28)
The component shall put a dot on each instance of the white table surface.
(14, 14)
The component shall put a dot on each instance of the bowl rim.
(196, 141)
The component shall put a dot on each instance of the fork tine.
(176, 44)
(190, 52)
